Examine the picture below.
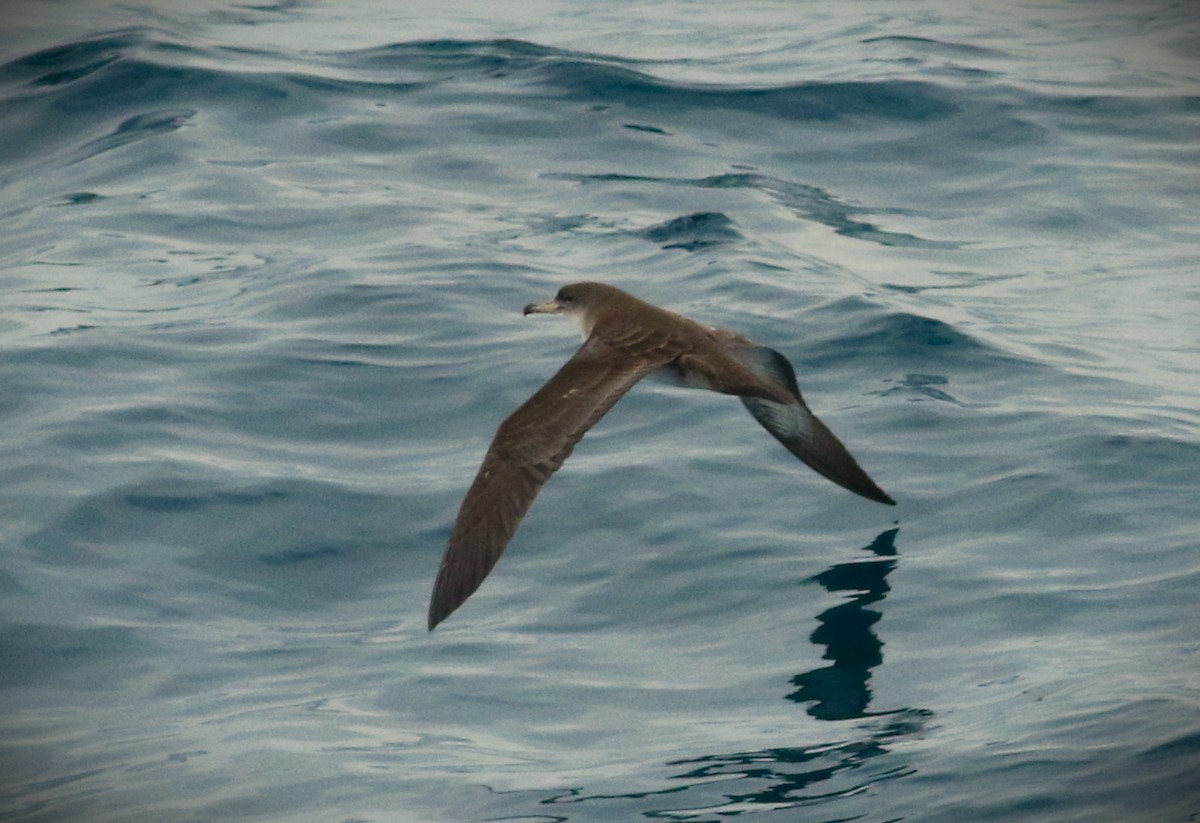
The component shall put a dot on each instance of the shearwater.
(626, 339)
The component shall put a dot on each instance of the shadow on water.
(840, 691)
(785, 777)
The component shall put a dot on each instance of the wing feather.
(799, 430)
(529, 446)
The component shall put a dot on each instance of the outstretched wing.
(529, 447)
(799, 430)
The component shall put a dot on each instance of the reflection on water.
(721, 785)
(802, 775)
(839, 691)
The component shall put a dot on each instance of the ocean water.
(261, 273)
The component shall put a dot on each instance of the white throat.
(583, 320)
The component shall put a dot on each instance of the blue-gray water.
(261, 271)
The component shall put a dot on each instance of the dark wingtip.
(437, 611)
(864, 486)
(868, 489)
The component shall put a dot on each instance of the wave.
(810, 202)
(143, 53)
(133, 74)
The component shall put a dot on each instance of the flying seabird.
(625, 339)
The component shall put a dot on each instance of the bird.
(625, 340)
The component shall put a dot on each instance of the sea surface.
(261, 276)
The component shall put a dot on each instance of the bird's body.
(626, 339)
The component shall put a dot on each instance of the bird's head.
(582, 302)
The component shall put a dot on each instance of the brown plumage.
(626, 340)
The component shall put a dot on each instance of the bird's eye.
(564, 297)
